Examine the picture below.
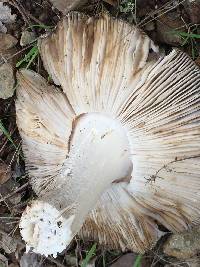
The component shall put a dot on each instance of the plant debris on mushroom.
(113, 152)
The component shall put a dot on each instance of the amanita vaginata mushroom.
(113, 152)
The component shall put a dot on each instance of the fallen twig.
(14, 192)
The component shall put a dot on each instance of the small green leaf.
(138, 261)
(89, 256)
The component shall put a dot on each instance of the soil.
(168, 23)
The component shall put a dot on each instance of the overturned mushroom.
(114, 153)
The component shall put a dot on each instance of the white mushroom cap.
(112, 81)
(44, 229)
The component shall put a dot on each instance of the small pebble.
(27, 37)
(7, 81)
(184, 245)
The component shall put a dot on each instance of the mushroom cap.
(105, 66)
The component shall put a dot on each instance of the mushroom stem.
(44, 229)
(98, 154)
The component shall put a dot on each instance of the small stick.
(14, 192)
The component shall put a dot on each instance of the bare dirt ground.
(168, 23)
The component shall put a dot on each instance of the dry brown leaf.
(128, 260)
(5, 173)
(112, 2)
(9, 193)
(197, 61)
(8, 243)
(7, 41)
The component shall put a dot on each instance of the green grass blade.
(89, 256)
(138, 261)
(34, 50)
(190, 35)
(33, 57)
(7, 134)
(186, 34)
(104, 260)
(185, 40)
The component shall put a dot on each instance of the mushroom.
(112, 150)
